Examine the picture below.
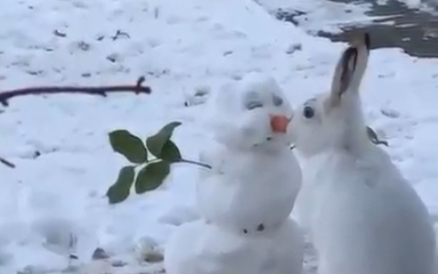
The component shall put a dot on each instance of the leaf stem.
(181, 161)
(195, 163)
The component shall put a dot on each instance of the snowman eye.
(277, 101)
(253, 105)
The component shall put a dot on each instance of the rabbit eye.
(253, 105)
(308, 112)
(277, 101)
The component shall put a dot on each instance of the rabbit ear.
(350, 68)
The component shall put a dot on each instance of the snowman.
(245, 200)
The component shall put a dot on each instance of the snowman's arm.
(204, 158)
(213, 159)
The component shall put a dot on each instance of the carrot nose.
(279, 123)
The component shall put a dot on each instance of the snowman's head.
(252, 113)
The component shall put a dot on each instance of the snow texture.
(222, 251)
(60, 143)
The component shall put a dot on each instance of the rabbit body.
(362, 215)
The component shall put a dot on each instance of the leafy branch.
(154, 169)
(101, 91)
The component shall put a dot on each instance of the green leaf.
(151, 176)
(157, 142)
(170, 152)
(128, 145)
(120, 190)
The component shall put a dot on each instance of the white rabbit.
(255, 177)
(201, 248)
(362, 215)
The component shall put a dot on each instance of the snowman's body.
(246, 198)
(201, 248)
(251, 191)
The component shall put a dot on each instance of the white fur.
(201, 248)
(362, 215)
(253, 181)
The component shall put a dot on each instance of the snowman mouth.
(262, 142)
(267, 140)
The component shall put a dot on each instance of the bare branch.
(120, 33)
(102, 91)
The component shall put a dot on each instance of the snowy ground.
(178, 46)
(332, 16)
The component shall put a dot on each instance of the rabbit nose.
(279, 123)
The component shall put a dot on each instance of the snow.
(179, 46)
(426, 5)
(321, 15)
(333, 16)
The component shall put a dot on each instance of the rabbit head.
(252, 113)
(335, 120)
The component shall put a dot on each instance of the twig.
(7, 163)
(59, 34)
(380, 142)
(120, 33)
(102, 91)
